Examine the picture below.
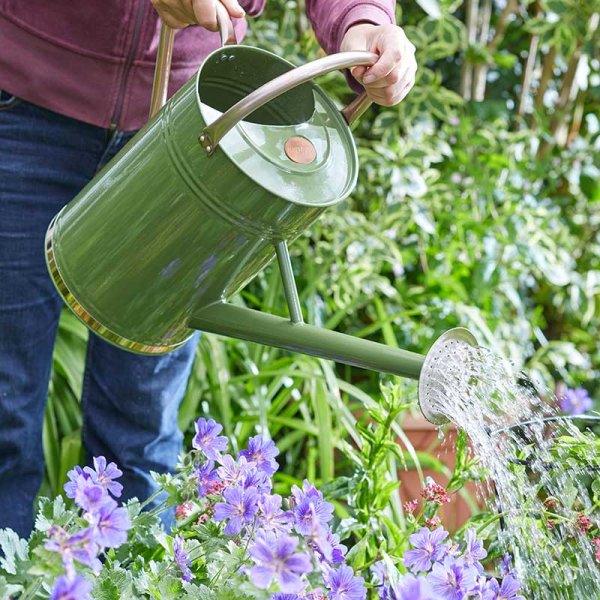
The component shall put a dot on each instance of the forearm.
(331, 19)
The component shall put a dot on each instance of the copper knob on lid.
(300, 150)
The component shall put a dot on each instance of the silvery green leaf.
(431, 7)
(15, 550)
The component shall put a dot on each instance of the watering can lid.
(311, 163)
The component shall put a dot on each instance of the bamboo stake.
(480, 70)
(577, 118)
(479, 82)
(529, 68)
(547, 72)
(568, 92)
(466, 77)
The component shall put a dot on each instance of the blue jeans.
(130, 402)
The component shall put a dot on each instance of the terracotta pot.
(424, 437)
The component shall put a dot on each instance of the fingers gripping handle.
(212, 135)
(165, 55)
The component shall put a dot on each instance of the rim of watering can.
(84, 315)
(440, 347)
(334, 112)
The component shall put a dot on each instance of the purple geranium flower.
(338, 551)
(380, 574)
(110, 525)
(207, 438)
(182, 558)
(76, 547)
(76, 478)
(576, 401)
(239, 507)
(507, 591)
(208, 478)
(283, 596)
(90, 496)
(452, 579)
(233, 472)
(309, 505)
(506, 567)
(344, 585)
(412, 588)
(258, 479)
(271, 517)
(262, 453)
(104, 475)
(428, 549)
(76, 588)
(474, 551)
(276, 558)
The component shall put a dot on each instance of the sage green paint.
(165, 229)
(153, 247)
(255, 326)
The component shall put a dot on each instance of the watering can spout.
(297, 336)
(255, 326)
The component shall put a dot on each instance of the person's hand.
(389, 80)
(181, 13)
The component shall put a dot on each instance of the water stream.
(540, 466)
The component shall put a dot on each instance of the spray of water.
(541, 468)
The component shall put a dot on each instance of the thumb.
(358, 73)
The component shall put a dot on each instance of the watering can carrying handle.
(214, 133)
(165, 54)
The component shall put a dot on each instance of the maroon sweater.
(93, 60)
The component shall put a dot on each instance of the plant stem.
(487, 523)
(150, 498)
(32, 589)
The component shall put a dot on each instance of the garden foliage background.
(478, 205)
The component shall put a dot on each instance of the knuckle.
(389, 96)
(393, 77)
(395, 54)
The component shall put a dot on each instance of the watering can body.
(237, 164)
(166, 229)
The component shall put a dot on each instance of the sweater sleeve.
(331, 19)
(253, 8)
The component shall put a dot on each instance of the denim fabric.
(130, 402)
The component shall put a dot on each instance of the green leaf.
(51, 512)
(8, 590)
(15, 550)
(431, 7)
(114, 583)
(199, 592)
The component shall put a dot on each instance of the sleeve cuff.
(362, 12)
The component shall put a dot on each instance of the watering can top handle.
(213, 134)
(165, 54)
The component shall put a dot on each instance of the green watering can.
(240, 161)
